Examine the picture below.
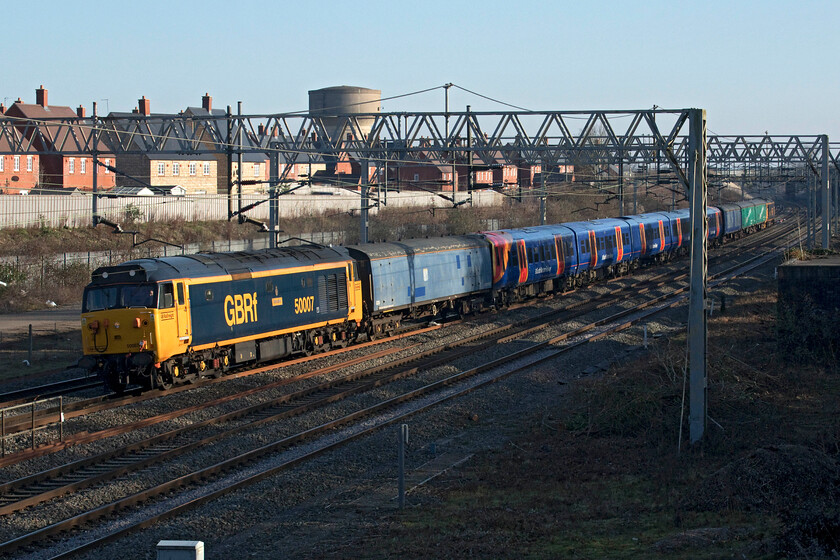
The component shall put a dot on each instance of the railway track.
(294, 404)
(51, 415)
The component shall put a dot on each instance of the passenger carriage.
(421, 277)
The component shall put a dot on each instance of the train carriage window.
(469, 260)
(458, 261)
(583, 247)
(625, 239)
(208, 294)
(553, 250)
(165, 296)
(513, 258)
(567, 247)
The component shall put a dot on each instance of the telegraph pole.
(95, 166)
(826, 195)
(273, 203)
(363, 226)
(446, 139)
(542, 192)
(239, 156)
(229, 151)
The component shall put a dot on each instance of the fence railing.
(77, 210)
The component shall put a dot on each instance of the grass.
(606, 480)
(51, 350)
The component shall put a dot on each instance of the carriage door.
(561, 257)
(523, 261)
(182, 313)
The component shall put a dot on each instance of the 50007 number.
(304, 304)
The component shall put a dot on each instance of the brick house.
(59, 170)
(17, 172)
(196, 173)
(254, 165)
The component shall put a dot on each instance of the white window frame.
(16, 166)
(176, 168)
(83, 165)
(29, 163)
(161, 169)
(107, 163)
(257, 169)
(192, 169)
(2, 163)
(71, 165)
(207, 168)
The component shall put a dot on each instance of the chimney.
(2, 109)
(41, 96)
(207, 102)
(144, 106)
(261, 130)
(80, 111)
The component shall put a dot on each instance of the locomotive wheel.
(163, 380)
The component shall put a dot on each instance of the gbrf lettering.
(241, 308)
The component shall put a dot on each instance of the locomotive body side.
(196, 315)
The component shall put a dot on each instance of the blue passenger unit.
(421, 271)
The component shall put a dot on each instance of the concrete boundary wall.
(76, 210)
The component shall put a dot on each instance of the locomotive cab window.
(180, 292)
(166, 296)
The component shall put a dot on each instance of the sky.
(755, 66)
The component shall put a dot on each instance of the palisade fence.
(76, 210)
(35, 268)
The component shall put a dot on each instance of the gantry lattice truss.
(539, 138)
(633, 138)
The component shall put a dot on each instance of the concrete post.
(697, 320)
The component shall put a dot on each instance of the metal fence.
(76, 210)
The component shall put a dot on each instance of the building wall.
(252, 171)
(11, 181)
(194, 183)
(77, 173)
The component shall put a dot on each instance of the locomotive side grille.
(341, 288)
(323, 300)
(332, 292)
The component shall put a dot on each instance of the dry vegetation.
(601, 477)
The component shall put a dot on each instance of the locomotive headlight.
(116, 324)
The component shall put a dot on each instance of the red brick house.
(58, 170)
(17, 172)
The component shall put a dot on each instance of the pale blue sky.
(753, 65)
